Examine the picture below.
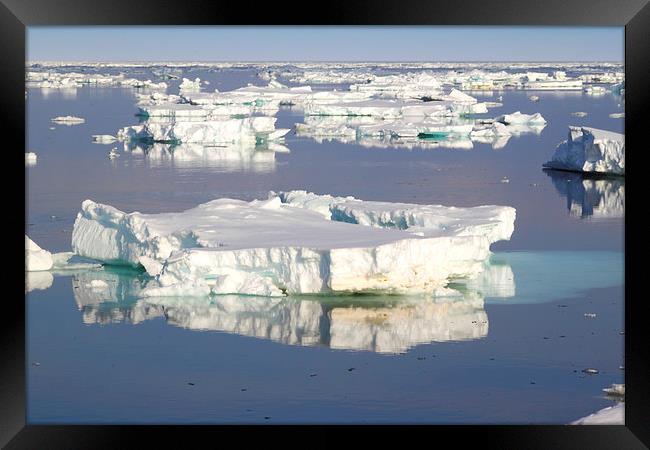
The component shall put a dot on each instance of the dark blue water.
(112, 358)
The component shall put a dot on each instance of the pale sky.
(324, 43)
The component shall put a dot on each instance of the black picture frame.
(16, 15)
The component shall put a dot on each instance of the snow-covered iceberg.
(590, 150)
(294, 242)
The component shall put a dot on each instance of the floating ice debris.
(295, 242)
(579, 114)
(113, 153)
(591, 371)
(68, 120)
(590, 150)
(30, 158)
(617, 115)
(534, 98)
(505, 180)
(52, 128)
(103, 139)
(590, 316)
(35, 257)
(613, 415)
(616, 390)
(517, 118)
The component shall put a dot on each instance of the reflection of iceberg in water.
(589, 196)
(40, 280)
(243, 156)
(384, 324)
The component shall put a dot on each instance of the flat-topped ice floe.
(68, 120)
(295, 242)
(224, 131)
(590, 150)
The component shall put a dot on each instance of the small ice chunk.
(30, 158)
(579, 114)
(617, 115)
(35, 257)
(590, 316)
(68, 120)
(616, 390)
(517, 118)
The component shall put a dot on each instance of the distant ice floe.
(613, 415)
(31, 158)
(294, 242)
(590, 150)
(68, 120)
(617, 115)
(73, 80)
(590, 197)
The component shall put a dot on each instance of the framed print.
(399, 218)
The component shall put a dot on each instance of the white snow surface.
(613, 415)
(36, 258)
(518, 118)
(590, 150)
(294, 242)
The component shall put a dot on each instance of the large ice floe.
(590, 150)
(295, 242)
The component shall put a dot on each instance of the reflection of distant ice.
(235, 157)
(590, 196)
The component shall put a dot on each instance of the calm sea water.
(511, 350)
